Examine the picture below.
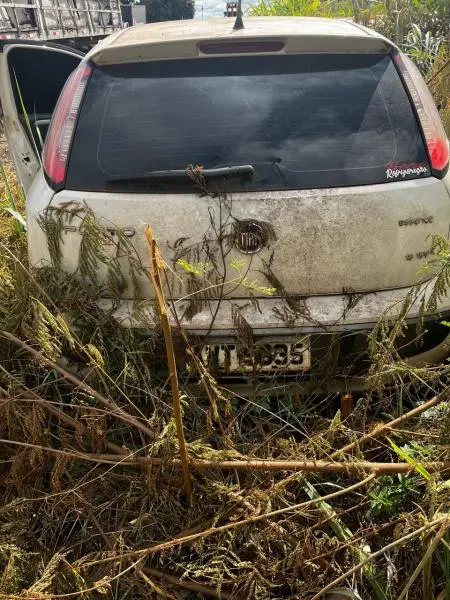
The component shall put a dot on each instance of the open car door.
(32, 75)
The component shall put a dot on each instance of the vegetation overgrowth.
(94, 502)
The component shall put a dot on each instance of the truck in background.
(231, 9)
(134, 14)
(80, 23)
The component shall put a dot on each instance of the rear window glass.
(300, 121)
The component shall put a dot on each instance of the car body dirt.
(330, 189)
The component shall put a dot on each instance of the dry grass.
(7, 180)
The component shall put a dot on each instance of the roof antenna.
(239, 23)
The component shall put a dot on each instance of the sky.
(211, 8)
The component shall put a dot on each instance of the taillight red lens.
(433, 130)
(60, 133)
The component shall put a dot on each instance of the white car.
(319, 172)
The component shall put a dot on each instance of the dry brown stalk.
(157, 263)
(99, 458)
(176, 541)
(319, 466)
(442, 397)
(161, 593)
(391, 546)
(115, 410)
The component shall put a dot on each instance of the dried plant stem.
(177, 541)
(318, 466)
(399, 542)
(115, 410)
(282, 465)
(156, 264)
(31, 395)
(109, 459)
(442, 397)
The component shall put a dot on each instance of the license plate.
(264, 357)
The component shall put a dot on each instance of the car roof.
(172, 39)
(218, 28)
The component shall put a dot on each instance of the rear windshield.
(301, 121)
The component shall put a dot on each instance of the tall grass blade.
(411, 461)
(16, 214)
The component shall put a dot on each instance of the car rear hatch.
(308, 173)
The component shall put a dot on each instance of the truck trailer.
(78, 22)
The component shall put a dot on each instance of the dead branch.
(318, 466)
(157, 264)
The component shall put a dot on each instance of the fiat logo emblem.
(249, 237)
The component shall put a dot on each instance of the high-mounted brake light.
(433, 130)
(62, 127)
(237, 47)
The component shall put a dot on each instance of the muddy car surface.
(293, 172)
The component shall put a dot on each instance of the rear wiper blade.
(243, 171)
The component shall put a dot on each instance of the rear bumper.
(338, 327)
(279, 316)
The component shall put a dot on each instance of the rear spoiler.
(138, 50)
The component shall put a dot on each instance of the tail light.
(432, 128)
(62, 126)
